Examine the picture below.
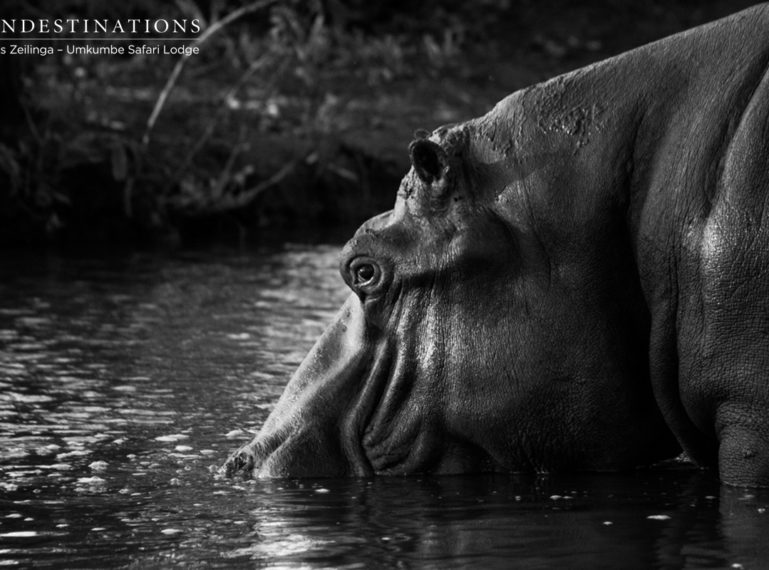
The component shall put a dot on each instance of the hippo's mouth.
(319, 424)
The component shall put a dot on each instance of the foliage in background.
(81, 168)
(296, 112)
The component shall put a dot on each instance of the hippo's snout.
(309, 452)
(249, 459)
(314, 430)
(241, 461)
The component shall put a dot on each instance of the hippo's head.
(495, 323)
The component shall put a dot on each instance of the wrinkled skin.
(578, 280)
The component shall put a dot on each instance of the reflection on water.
(125, 382)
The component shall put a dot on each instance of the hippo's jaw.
(362, 403)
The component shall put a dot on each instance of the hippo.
(576, 281)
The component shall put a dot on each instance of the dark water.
(125, 382)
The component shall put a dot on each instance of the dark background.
(294, 118)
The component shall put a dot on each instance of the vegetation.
(294, 114)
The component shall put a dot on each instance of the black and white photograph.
(347, 284)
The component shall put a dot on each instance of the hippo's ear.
(428, 159)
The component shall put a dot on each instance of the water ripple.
(126, 381)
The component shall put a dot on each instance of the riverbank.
(287, 119)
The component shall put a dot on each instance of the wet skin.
(577, 280)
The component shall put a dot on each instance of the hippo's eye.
(364, 273)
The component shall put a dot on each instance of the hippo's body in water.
(578, 280)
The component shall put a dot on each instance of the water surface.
(126, 381)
